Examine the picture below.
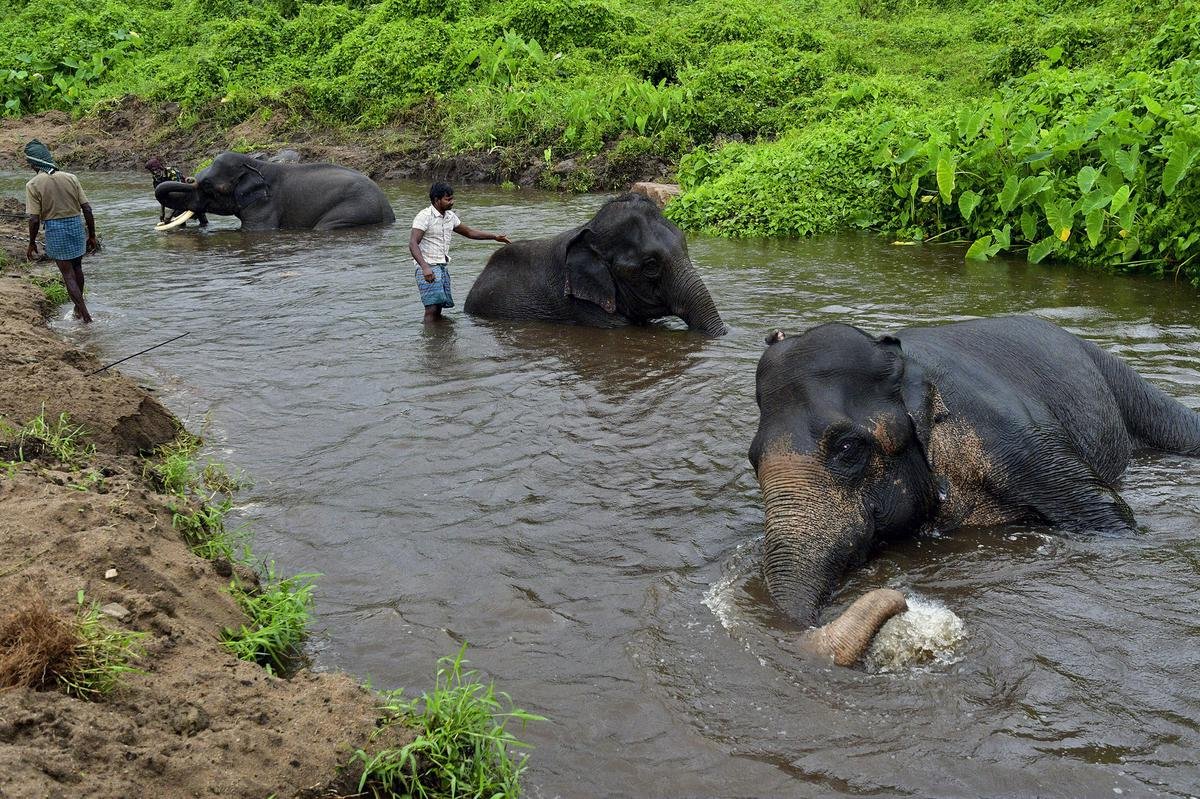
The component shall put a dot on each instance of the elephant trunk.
(813, 529)
(177, 195)
(692, 303)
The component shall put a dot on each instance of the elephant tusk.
(176, 222)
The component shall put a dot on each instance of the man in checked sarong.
(429, 243)
(55, 199)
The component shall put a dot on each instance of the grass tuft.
(83, 657)
(463, 745)
(52, 286)
(59, 439)
(279, 615)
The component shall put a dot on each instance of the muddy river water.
(577, 505)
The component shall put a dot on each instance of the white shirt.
(435, 244)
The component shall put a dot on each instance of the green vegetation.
(40, 436)
(1067, 131)
(54, 289)
(463, 744)
(40, 648)
(278, 610)
(101, 655)
(279, 615)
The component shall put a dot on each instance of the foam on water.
(927, 634)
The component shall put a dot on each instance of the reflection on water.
(577, 505)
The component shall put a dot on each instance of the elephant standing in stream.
(627, 265)
(986, 422)
(269, 196)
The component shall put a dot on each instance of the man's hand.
(428, 273)
(93, 245)
(503, 239)
(31, 251)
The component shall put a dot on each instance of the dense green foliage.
(1063, 130)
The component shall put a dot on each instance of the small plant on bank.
(279, 615)
(82, 657)
(52, 286)
(59, 439)
(203, 529)
(175, 470)
(463, 745)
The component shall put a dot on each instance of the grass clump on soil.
(279, 610)
(82, 657)
(40, 436)
(279, 614)
(463, 746)
(54, 289)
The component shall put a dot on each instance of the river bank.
(125, 136)
(193, 720)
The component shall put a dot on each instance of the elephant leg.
(1051, 480)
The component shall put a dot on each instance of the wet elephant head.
(627, 265)
(842, 466)
(229, 186)
(630, 260)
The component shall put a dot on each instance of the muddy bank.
(195, 721)
(123, 137)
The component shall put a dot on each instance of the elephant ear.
(915, 391)
(588, 277)
(251, 188)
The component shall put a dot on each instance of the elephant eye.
(849, 453)
(650, 266)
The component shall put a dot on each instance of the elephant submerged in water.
(627, 265)
(992, 421)
(269, 196)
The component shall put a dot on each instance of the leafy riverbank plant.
(58, 438)
(464, 747)
(279, 613)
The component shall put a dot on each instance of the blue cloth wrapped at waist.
(437, 292)
(65, 238)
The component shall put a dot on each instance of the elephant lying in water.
(627, 265)
(268, 196)
(986, 422)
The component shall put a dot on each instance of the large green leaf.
(945, 175)
(1177, 166)
(967, 202)
(1119, 199)
(1061, 216)
(1097, 198)
(1043, 248)
(1127, 161)
(1029, 224)
(1031, 186)
(978, 250)
(1086, 178)
(1008, 195)
(1095, 226)
(1098, 120)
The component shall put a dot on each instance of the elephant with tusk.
(863, 439)
(270, 196)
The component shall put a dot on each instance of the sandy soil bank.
(195, 721)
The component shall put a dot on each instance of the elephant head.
(840, 454)
(229, 186)
(631, 261)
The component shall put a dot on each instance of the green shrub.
(463, 746)
(279, 614)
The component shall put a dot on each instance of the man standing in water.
(56, 199)
(429, 243)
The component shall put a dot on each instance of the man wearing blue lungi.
(429, 243)
(55, 199)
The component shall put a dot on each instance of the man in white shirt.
(429, 243)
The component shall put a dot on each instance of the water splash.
(927, 634)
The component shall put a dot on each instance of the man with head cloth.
(56, 200)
